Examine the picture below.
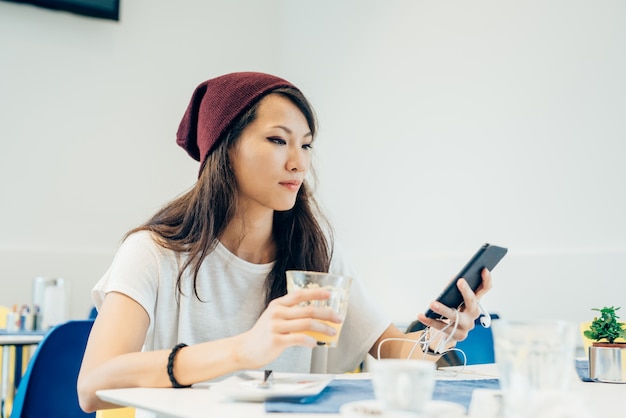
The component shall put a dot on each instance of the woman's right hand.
(282, 325)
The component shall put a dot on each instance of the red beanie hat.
(216, 104)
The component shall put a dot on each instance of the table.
(603, 399)
(19, 340)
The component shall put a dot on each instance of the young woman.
(199, 291)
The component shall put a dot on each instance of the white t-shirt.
(232, 293)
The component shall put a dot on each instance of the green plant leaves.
(606, 327)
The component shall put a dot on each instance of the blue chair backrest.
(478, 346)
(48, 387)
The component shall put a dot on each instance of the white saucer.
(374, 408)
(245, 386)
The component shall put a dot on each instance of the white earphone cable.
(426, 339)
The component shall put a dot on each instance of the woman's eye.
(276, 140)
(307, 146)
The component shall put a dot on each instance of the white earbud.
(485, 318)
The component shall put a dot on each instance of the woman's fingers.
(303, 295)
(470, 301)
(455, 323)
(312, 312)
(486, 283)
(458, 333)
(286, 316)
(291, 308)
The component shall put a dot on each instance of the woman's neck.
(250, 238)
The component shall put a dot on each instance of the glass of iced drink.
(339, 288)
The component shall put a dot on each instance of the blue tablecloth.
(342, 391)
(582, 368)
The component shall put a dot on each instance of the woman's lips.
(291, 185)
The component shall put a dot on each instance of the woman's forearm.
(192, 364)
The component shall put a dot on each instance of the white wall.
(88, 114)
(450, 124)
(443, 125)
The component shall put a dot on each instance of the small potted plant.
(606, 355)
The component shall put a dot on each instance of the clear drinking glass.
(535, 360)
(339, 287)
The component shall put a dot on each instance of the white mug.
(403, 385)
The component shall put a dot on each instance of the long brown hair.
(194, 222)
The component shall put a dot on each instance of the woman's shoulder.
(141, 238)
(144, 241)
(340, 263)
(139, 252)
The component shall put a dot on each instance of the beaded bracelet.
(170, 366)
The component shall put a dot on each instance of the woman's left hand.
(465, 315)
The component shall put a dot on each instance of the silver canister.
(608, 364)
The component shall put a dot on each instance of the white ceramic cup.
(403, 385)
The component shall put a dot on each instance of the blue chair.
(478, 346)
(93, 312)
(48, 388)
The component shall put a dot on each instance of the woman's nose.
(298, 160)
